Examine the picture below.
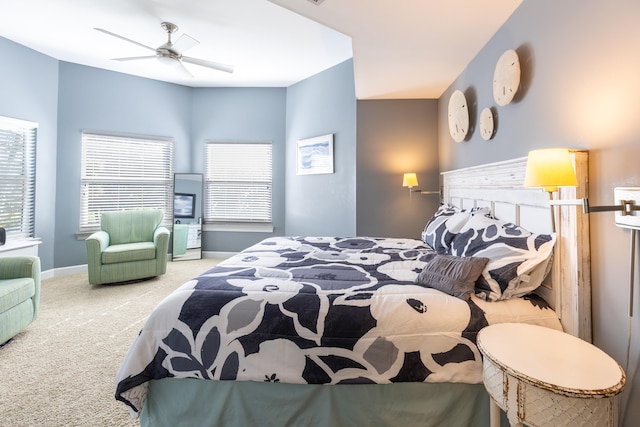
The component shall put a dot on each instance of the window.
(17, 177)
(124, 172)
(238, 182)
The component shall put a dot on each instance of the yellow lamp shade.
(410, 180)
(550, 168)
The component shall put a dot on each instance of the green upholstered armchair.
(130, 245)
(19, 294)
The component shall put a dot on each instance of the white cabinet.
(26, 247)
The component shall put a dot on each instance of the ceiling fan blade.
(184, 43)
(209, 64)
(181, 68)
(134, 58)
(123, 38)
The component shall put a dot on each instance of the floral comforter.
(316, 311)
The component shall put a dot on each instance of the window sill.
(239, 227)
(82, 235)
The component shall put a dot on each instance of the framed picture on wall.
(315, 155)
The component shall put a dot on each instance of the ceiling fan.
(171, 53)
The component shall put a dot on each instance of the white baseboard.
(64, 271)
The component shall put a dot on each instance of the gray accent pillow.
(453, 275)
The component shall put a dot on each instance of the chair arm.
(161, 233)
(161, 242)
(99, 240)
(19, 266)
(23, 266)
(96, 243)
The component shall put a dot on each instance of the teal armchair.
(19, 294)
(130, 245)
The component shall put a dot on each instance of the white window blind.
(17, 177)
(238, 182)
(124, 172)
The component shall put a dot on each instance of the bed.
(363, 330)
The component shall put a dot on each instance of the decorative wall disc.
(506, 78)
(458, 116)
(486, 124)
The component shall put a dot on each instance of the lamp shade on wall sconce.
(550, 168)
(410, 180)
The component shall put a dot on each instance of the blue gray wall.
(66, 98)
(323, 205)
(241, 114)
(580, 89)
(99, 100)
(29, 91)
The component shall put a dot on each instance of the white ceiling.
(401, 49)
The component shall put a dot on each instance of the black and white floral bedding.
(317, 311)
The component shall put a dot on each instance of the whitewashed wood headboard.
(499, 186)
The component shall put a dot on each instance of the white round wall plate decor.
(486, 124)
(458, 116)
(506, 78)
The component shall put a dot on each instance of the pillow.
(445, 224)
(451, 274)
(518, 259)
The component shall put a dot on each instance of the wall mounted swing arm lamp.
(552, 168)
(410, 179)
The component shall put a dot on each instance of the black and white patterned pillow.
(445, 224)
(518, 258)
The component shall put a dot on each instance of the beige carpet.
(60, 371)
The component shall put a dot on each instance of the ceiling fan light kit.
(170, 53)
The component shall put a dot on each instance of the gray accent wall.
(580, 89)
(394, 137)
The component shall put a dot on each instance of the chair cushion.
(15, 291)
(131, 226)
(129, 252)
